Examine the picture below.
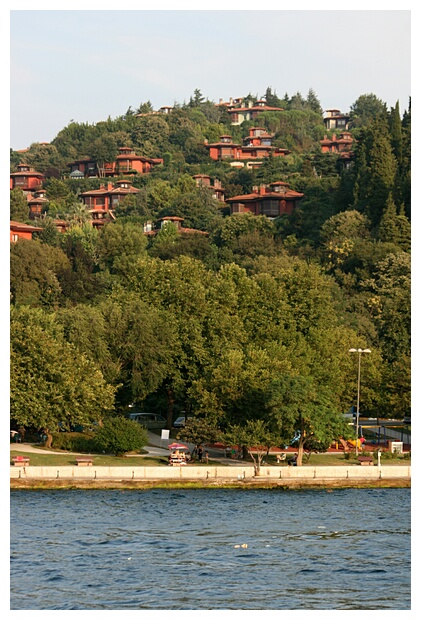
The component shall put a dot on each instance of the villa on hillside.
(342, 146)
(151, 230)
(26, 178)
(127, 162)
(37, 203)
(102, 202)
(18, 230)
(335, 120)
(204, 180)
(249, 112)
(271, 200)
(257, 145)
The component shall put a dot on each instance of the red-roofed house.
(240, 113)
(342, 146)
(334, 119)
(127, 162)
(101, 202)
(18, 230)
(257, 145)
(204, 180)
(163, 221)
(37, 203)
(26, 178)
(271, 200)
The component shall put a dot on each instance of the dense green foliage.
(118, 435)
(248, 325)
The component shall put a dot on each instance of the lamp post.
(360, 352)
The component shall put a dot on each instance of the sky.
(88, 65)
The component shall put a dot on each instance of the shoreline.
(291, 484)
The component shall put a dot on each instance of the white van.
(152, 421)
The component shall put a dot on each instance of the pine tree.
(376, 169)
(313, 102)
(395, 129)
(388, 230)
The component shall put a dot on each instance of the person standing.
(199, 453)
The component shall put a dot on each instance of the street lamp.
(359, 351)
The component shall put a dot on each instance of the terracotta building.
(335, 120)
(37, 203)
(102, 202)
(257, 145)
(271, 200)
(18, 230)
(240, 113)
(204, 180)
(151, 230)
(26, 178)
(342, 146)
(127, 162)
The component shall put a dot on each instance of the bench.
(84, 461)
(177, 460)
(20, 460)
(365, 460)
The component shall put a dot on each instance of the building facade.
(270, 200)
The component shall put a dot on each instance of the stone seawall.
(278, 474)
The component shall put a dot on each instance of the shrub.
(74, 442)
(119, 435)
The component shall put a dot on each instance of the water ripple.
(181, 550)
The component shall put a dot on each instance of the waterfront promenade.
(241, 474)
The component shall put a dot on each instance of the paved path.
(155, 447)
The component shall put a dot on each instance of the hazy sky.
(88, 65)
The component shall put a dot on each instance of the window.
(270, 207)
(15, 237)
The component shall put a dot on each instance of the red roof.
(23, 227)
(290, 193)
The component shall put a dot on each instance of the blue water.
(347, 549)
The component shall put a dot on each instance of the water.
(181, 549)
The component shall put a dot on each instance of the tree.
(199, 431)
(118, 435)
(197, 99)
(143, 341)
(272, 99)
(338, 235)
(50, 381)
(150, 135)
(103, 150)
(313, 102)
(36, 273)
(375, 172)
(19, 209)
(119, 245)
(255, 437)
(367, 109)
(395, 129)
(145, 108)
(390, 289)
(303, 412)
(78, 214)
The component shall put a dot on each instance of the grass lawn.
(101, 460)
(338, 459)
(53, 459)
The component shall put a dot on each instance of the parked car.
(179, 422)
(152, 421)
